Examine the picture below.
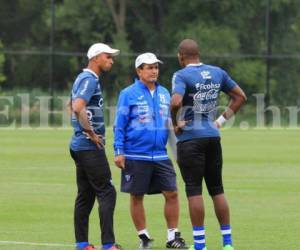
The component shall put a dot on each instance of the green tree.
(2, 60)
(22, 28)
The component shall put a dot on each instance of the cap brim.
(149, 62)
(113, 52)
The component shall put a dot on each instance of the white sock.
(144, 231)
(171, 233)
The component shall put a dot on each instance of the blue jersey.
(200, 86)
(87, 87)
(141, 126)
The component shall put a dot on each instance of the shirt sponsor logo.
(205, 99)
(143, 113)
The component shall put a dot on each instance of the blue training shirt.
(141, 126)
(87, 87)
(200, 86)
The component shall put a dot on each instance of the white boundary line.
(6, 242)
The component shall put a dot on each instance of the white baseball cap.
(147, 58)
(99, 48)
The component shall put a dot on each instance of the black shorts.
(148, 177)
(200, 158)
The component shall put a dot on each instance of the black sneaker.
(145, 242)
(177, 243)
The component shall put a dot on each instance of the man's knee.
(215, 190)
(136, 199)
(193, 190)
(106, 193)
(170, 195)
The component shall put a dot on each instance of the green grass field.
(261, 176)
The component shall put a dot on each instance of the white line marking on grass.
(6, 242)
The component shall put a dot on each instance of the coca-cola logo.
(205, 96)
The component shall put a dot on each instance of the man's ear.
(180, 58)
(138, 70)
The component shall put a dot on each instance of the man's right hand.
(120, 161)
(97, 139)
(180, 126)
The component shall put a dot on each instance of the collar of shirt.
(142, 85)
(92, 72)
(194, 64)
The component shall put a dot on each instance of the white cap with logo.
(99, 48)
(147, 58)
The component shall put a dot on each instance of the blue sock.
(81, 244)
(199, 237)
(107, 246)
(226, 233)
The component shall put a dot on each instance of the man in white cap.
(141, 134)
(87, 150)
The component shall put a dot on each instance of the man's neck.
(149, 85)
(91, 71)
(94, 68)
(191, 61)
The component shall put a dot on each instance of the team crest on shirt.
(127, 177)
(205, 74)
(162, 98)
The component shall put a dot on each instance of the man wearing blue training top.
(87, 150)
(141, 134)
(196, 89)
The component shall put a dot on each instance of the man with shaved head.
(196, 89)
(189, 48)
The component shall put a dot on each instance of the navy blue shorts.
(148, 177)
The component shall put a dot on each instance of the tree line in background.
(230, 33)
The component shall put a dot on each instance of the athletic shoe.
(228, 247)
(145, 242)
(177, 243)
(116, 247)
(193, 248)
(89, 247)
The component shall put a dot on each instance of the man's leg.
(139, 219)
(196, 209)
(137, 211)
(135, 180)
(191, 157)
(99, 175)
(171, 210)
(213, 178)
(223, 216)
(221, 209)
(83, 206)
(164, 180)
(84, 203)
(214, 182)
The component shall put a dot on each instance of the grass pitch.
(261, 177)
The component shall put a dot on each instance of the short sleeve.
(178, 84)
(227, 82)
(85, 89)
